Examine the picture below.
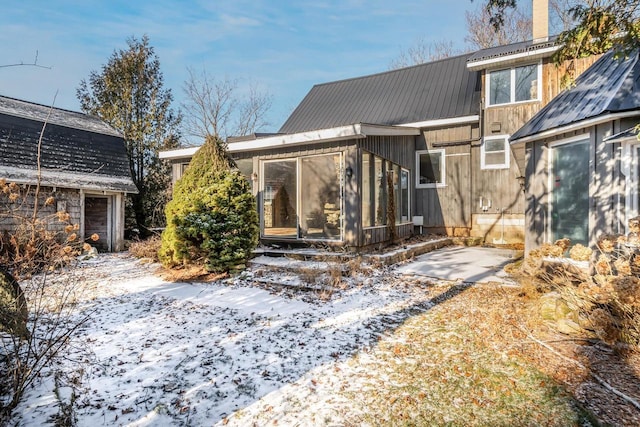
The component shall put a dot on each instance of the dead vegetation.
(39, 315)
(487, 357)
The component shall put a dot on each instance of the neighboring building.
(439, 131)
(582, 156)
(83, 165)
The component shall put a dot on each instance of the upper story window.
(494, 152)
(430, 172)
(517, 84)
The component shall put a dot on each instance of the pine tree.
(128, 94)
(212, 220)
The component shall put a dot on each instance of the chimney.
(540, 20)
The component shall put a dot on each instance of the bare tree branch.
(213, 107)
(24, 64)
(424, 51)
(481, 34)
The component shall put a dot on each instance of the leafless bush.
(606, 300)
(40, 315)
(147, 248)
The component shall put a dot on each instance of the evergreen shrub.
(212, 219)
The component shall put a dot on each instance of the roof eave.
(549, 133)
(66, 179)
(510, 59)
(340, 133)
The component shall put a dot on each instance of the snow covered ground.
(230, 353)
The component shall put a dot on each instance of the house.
(428, 142)
(582, 156)
(83, 164)
(356, 149)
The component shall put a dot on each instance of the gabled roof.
(70, 119)
(77, 150)
(610, 85)
(435, 90)
(495, 55)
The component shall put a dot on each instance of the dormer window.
(511, 85)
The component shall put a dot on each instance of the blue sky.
(282, 47)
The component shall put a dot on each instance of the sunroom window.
(494, 152)
(517, 84)
(430, 169)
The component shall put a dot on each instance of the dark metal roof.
(511, 49)
(435, 90)
(610, 85)
(77, 151)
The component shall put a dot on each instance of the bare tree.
(561, 16)
(481, 34)
(214, 107)
(424, 51)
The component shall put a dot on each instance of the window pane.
(279, 199)
(367, 181)
(570, 194)
(494, 159)
(321, 205)
(494, 145)
(245, 166)
(500, 84)
(526, 83)
(381, 205)
(404, 185)
(431, 168)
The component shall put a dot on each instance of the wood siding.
(553, 76)
(448, 209)
(501, 186)
(64, 199)
(606, 188)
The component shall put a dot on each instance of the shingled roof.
(77, 151)
(610, 85)
(435, 90)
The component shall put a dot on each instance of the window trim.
(443, 170)
(512, 85)
(507, 153)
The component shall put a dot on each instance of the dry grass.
(147, 248)
(461, 363)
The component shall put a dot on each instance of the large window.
(321, 211)
(245, 166)
(376, 192)
(518, 84)
(430, 168)
(570, 194)
(494, 152)
(367, 183)
(302, 197)
(280, 198)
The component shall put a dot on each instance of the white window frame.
(507, 152)
(512, 83)
(442, 168)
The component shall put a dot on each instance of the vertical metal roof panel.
(434, 90)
